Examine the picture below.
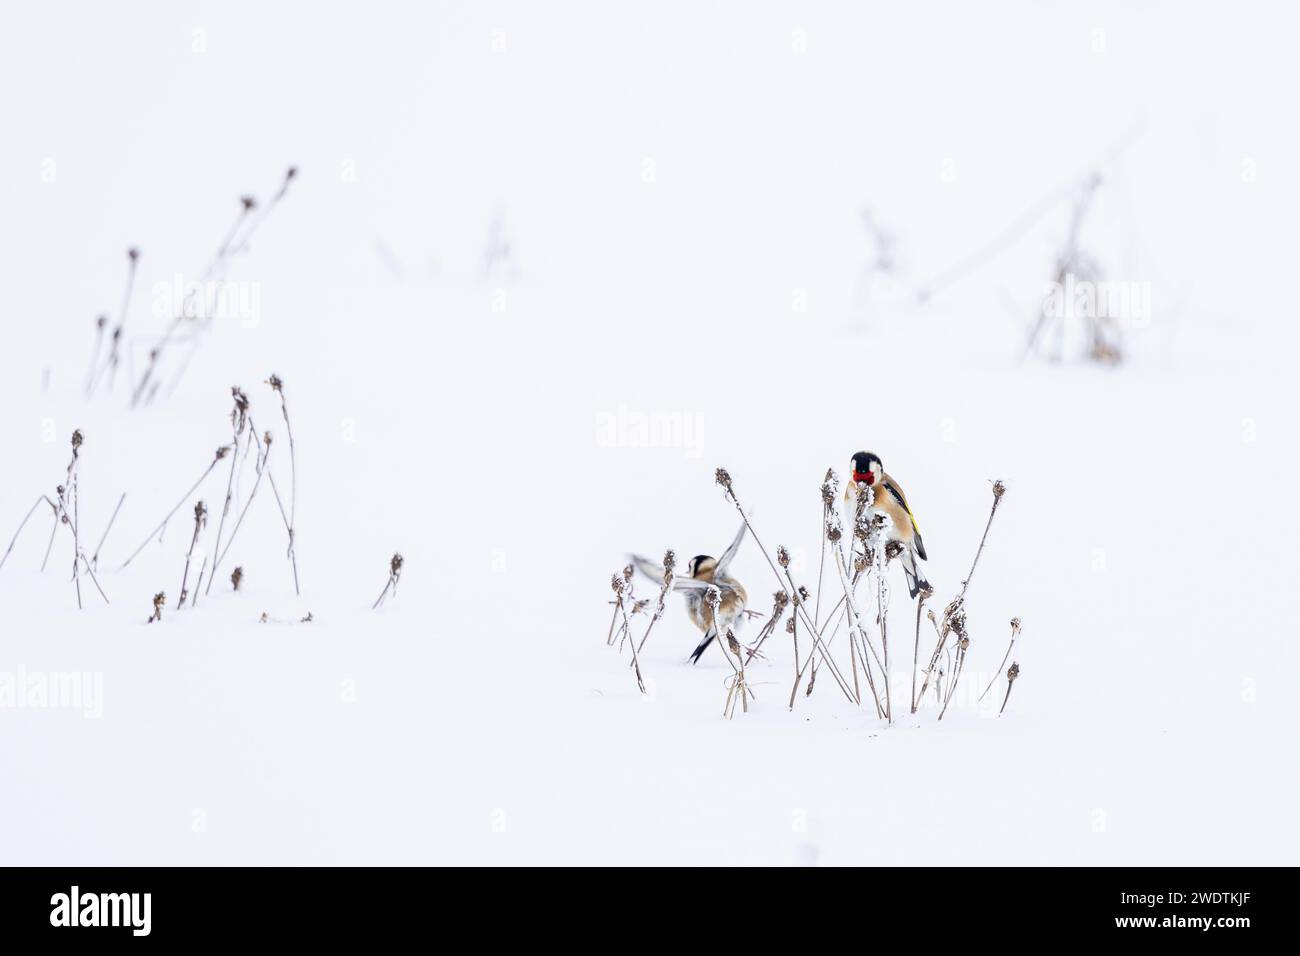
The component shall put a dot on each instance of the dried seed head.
(782, 556)
(713, 597)
(133, 253)
(803, 594)
(733, 643)
(833, 532)
(266, 438)
(291, 172)
(670, 559)
(627, 572)
(248, 202)
(395, 565)
(640, 606)
(1015, 625)
(892, 550)
(861, 562)
(779, 600)
(964, 643)
(117, 333)
(200, 514)
(101, 321)
(617, 583)
(76, 439)
(925, 592)
(276, 383)
(236, 576)
(222, 452)
(722, 477)
(999, 489)
(789, 624)
(1013, 671)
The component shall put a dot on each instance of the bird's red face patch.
(866, 476)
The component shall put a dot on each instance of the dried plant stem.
(916, 647)
(725, 480)
(620, 585)
(998, 490)
(198, 582)
(394, 573)
(855, 621)
(293, 560)
(200, 515)
(1015, 632)
(956, 675)
(934, 658)
(260, 466)
(1013, 672)
(36, 504)
(94, 558)
(221, 453)
(278, 386)
(76, 538)
(239, 421)
(670, 561)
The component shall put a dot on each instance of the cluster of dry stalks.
(860, 553)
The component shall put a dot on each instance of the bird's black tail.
(912, 571)
(704, 644)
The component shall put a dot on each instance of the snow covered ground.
(681, 191)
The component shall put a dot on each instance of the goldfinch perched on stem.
(868, 476)
(704, 571)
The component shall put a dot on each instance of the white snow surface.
(681, 186)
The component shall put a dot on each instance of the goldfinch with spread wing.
(702, 572)
(869, 477)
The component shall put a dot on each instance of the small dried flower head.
(733, 643)
(670, 559)
(722, 477)
(779, 600)
(964, 643)
(395, 565)
(789, 624)
(276, 383)
(782, 556)
(803, 593)
(833, 532)
(159, 599)
(861, 562)
(266, 438)
(1015, 625)
(117, 333)
(892, 550)
(616, 583)
(713, 597)
(236, 576)
(101, 321)
(1013, 671)
(133, 253)
(200, 513)
(999, 489)
(248, 202)
(76, 439)
(291, 172)
(925, 592)
(627, 572)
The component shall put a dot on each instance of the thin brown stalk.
(724, 479)
(94, 559)
(1015, 632)
(36, 504)
(221, 453)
